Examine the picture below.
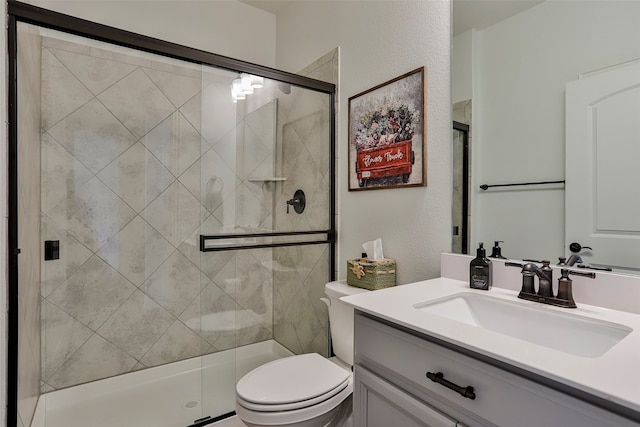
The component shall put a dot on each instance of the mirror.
(509, 79)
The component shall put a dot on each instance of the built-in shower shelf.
(267, 179)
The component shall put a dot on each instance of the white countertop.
(613, 376)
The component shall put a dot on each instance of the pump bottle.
(480, 270)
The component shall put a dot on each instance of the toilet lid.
(292, 379)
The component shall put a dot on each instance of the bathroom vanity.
(438, 353)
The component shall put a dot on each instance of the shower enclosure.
(171, 224)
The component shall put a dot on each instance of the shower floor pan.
(172, 395)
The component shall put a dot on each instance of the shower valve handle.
(292, 202)
(298, 202)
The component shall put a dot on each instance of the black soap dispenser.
(496, 251)
(480, 270)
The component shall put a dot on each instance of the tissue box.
(371, 274)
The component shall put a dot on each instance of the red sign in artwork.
(387, 160)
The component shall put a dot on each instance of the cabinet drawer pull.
(438, 377)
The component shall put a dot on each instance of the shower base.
(172, 395)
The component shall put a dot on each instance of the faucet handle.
(565, 292)
(528, 274)
(589, 274)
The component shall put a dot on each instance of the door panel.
(602, 158)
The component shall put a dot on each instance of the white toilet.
(306, 390)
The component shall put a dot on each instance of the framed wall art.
(387, 143)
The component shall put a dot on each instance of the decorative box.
(371, 274)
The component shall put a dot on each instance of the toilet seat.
(293, 405)
(318, 414)
(291, 383)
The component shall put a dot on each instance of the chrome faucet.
(545, 295)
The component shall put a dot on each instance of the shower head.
(284, 88)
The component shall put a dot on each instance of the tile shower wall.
(300, 317)
(124, 153)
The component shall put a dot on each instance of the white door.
(603, 166)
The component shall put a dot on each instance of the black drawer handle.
(464, 391)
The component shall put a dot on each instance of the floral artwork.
(386, 124)
(386, 134)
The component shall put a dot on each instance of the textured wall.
(380, 40)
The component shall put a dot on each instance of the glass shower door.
(119, 140)
(173, 237)
(265, 251)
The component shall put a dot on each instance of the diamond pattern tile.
(251, 275)
(61, 172)
(62, 336)
(72, 256)
(175, 143)
(175, 284)
(255, 151)
(96, 74)
(177, 343)
(130, 173)
(96, 359)
(137, 251)
(216, 317)
(218, 109)
(191, 246)
(178, 88)
(241, 208)
(93, 135)
(93, 293)
(137, 325)
(176, 214)
(217, 180)
(92, 214)
(227, 148)
(137, 102)
(137, 177)
(62, 92)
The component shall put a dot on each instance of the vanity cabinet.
(392, 388)
(382, 404)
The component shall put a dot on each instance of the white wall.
(380, 40)
(462, 67)
(228, 27)
(523, 65)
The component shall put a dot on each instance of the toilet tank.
(341, 319)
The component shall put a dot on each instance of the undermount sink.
(566, 332)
